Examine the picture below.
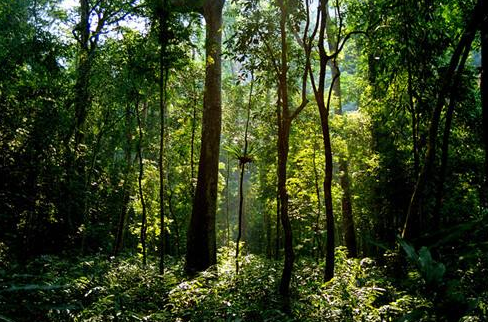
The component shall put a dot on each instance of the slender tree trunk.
(445, 143)
(319, 92)
(192, 146)
(285, 220)
(227, 201)
(163, 74)
(175, 221)
(201, 241)
(283, 148)
(141, 193)
(242, 162)
(285, 118)
(347, 216)
(277, 239)
(119, 240)
(413, 112)
(317, 238)
(241, 202)
(82, 99)
(278, 203)
(75, 164)
(329, 259)
(412, 228)
(484, 95)
(267, 224)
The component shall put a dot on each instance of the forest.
(244, 160)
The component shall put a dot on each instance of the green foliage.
(101, 289)
(431, 271)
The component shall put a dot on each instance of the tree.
(412, 226)
(484, 93)
(347, 214)
(201, 251)
(244, 158)
(99, 15)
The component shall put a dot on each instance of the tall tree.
(93, 20)
(243, 160)
(285, 117)
(323, 105)
(412, 226)
(163, 75)
(484, 91)
(346, 203)
(201, 251)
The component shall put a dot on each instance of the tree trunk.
(445, 142)
(227, 201)
(278, 203)
(329, 257)
(119, 239)
(347, 216)
(412, 227)
(75, 165)
(242, 162)
(201, 241)
(163, 74)
(192, 146)
(141, 193)
(484, 94)
(283, 148)
(175, 221)
(241, 202)
(319, 252)
(285, 220)
(319, 92)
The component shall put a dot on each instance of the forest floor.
(97, 288)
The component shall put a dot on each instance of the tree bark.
(319, 252)
(119, 239)
(227, 201)
(347, 216)
(278, 203)
(445, 142)
(319, 92)
(285, 118)
(242, 162)
(141, 193)
(283, 148)
(484, 94)
(163, 74)
(201, 239)
(175, 221)
(412, 227)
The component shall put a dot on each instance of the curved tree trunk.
(347, 217)
(119, 239)
(283, 147)
(484, 94)
(201, 241)
(412, 227)
(141, 193)
(439, 194)
(317, 236)
(242, 163)
(163, 74)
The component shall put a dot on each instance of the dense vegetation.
(243, 160)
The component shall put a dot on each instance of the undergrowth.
(97, 288)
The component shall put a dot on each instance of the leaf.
(33, 287)
(409, 250)
(4, 318)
